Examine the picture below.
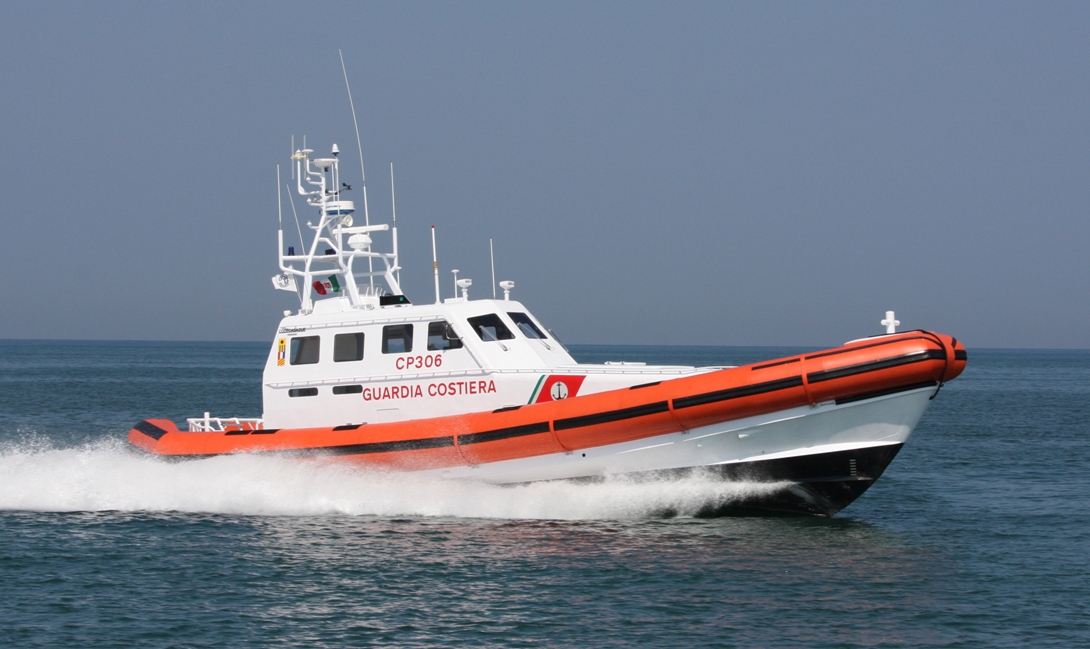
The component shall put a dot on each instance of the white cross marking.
(890, 323)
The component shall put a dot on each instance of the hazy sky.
(668, 173)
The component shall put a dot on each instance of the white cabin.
(403, 362)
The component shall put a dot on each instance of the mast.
(327, 266)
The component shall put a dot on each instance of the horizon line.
(263, 342)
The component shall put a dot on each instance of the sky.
(650, 173)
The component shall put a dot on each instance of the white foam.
(106, 476)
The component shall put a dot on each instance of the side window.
(490, 327)
(304, 351)
(347, 347)
(397, 339)
(441, 337)
(527, 326)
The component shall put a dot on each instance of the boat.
(480, 389)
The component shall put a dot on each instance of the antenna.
(393, 206)
(291, 156)
(291, 200)
(279, 223)
(359, 146)
(464, 284)
(492, 255)
(302, 244)
(434, 264)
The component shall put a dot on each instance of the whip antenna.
(359, 147)
(435, 266)
(492, 256)
(302, 244)
(393, 206)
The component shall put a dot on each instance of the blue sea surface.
(978, 534)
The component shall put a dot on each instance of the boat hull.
(814, 460)
(818, 484)
(825, 425)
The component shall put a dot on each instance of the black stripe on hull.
(150, 429)
(854, 348)
(874, 366)
(335, 451)
(321, 451)
(503, 433)
(611, 416)
(737, 393)
(373, 447)
(812, 377)
(774, 364)
(261, 431)
(885, 393)
(821, 484)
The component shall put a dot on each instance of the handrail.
(208, 424)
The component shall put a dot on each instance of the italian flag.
(329, 285)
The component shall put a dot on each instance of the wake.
(107, 476)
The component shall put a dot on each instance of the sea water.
(978, 534)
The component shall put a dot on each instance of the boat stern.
(147, 434)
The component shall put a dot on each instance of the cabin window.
(347, 389)
(490, 327)
(441, 337)
(303, 392)
(397, 339)
(347, 347)
(304, 351)
(527, 326)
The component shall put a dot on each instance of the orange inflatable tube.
(859, 370)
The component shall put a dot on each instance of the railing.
(208, 424)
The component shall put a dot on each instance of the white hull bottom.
(825, 455)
